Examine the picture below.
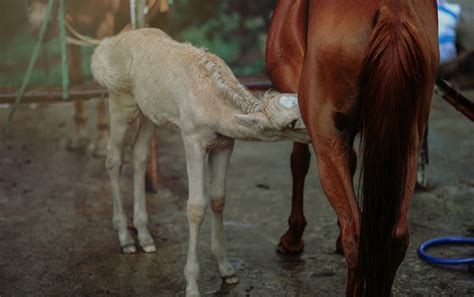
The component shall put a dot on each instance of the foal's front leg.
(196, 208)
(218, 162)
(141, 152)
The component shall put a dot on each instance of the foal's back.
(165, 79)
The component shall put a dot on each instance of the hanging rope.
(133, 16)
(80, 39)
(34, 57)
(63, 44)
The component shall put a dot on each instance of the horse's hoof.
(231, 280)
(129, 249)
(290, 249)
(77, 144)
(100, 149)
(99, 152)
(151, 248)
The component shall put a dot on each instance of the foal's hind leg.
(119, 124)
(141, 151)
(218, 162)
(291, 241)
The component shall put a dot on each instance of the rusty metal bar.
(93, 90)
(253, 83)
(54, 94)
(456, 99)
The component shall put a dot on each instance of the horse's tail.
(110, 65)
(393, 74)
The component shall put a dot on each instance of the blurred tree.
(234, 30)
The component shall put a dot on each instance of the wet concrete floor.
(56, 235)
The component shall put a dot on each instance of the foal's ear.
(252, 120)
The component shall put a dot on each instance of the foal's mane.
(218, 72)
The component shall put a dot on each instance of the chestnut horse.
(369, 67)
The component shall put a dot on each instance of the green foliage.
(233, 30)
(15, 58)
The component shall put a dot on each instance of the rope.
(34, 57)
(80, 39)
(133, 16)
(63, 44)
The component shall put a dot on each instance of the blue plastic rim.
(445, 241)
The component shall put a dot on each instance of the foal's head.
(279, 115)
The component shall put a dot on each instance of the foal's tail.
(110, 65)
(393, 77)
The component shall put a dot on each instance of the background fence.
(234, 30)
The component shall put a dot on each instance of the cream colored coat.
(163, 82)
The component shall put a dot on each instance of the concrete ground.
(57, 237)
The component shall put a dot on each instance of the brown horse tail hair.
(393, 73)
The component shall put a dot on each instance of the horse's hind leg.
(141, 152)
(291, 242)
(330, 114)
(353, 168)
(423, 160)
(218, 162)
(401, 238)
(100, 146)
(106, 28)
(333, 152)
(79, 139)
(119, 123)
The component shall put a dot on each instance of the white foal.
(163, 82)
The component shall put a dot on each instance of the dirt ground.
(57, 237)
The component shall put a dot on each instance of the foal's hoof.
(151, 248)
(129, 249)
(192, 293)
(231, 280)
(286, 248)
